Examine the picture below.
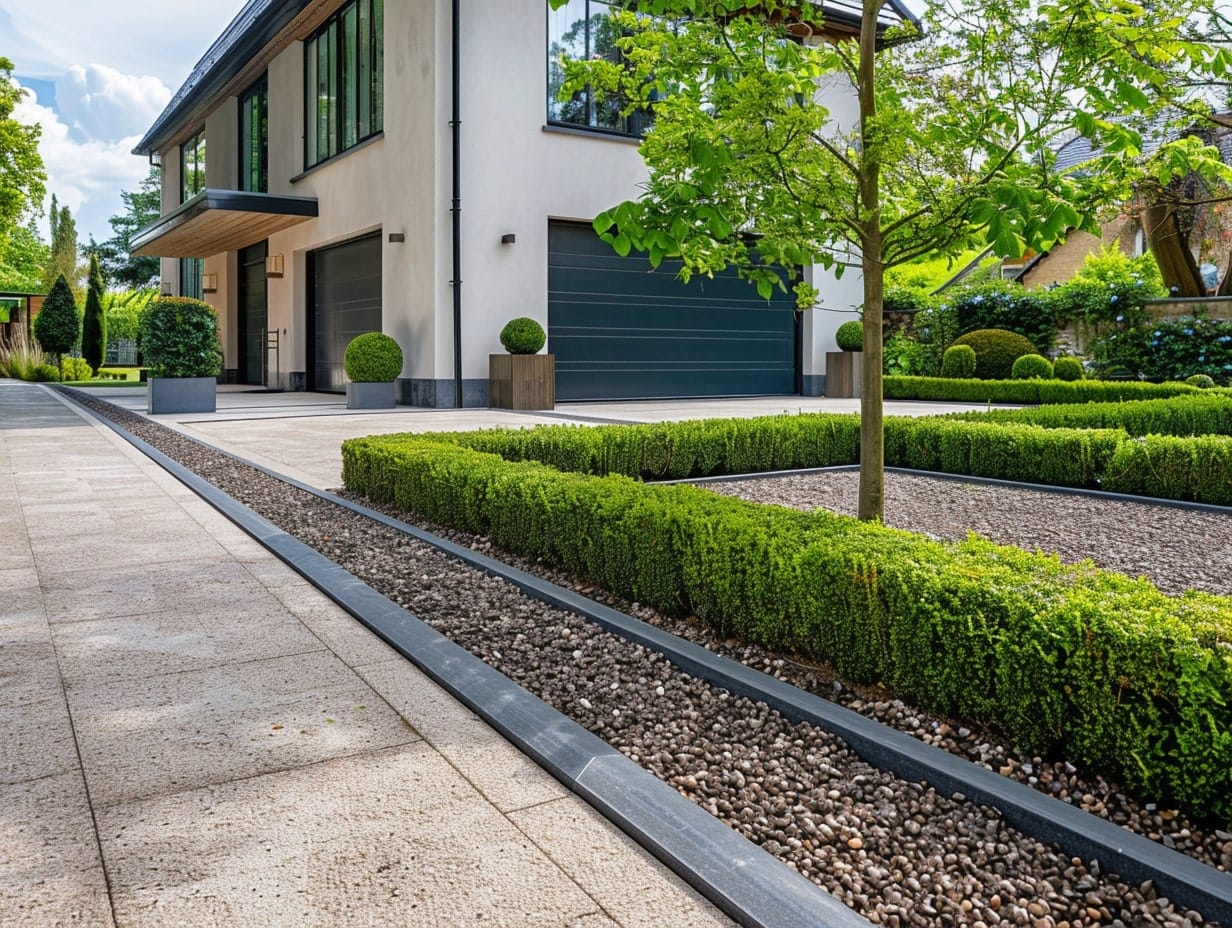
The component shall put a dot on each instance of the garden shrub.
(522, 335)
(996, 350)
(1061, 658)
(1192, 414)
(1006, 306)
(57, 327)
(1172, 349)
(1067, 367)
(1202, 381)
(958, 362)
(75, 369)
(1110, 289)
(940, 389)
(179, 338)
(1194, 468)
(850, 336)
(1031, 367)
(372, 357)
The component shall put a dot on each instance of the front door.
(254, 313)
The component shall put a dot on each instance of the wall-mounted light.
(166, 288)
(508, 238)
(209, 283)
(156, 159)
(397, 237)
(273, 265)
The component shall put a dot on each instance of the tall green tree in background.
(21, 168)
(141, 208)
(93, 323)
(949, 142)
(63, 258)
(22, 263)
(57, 327)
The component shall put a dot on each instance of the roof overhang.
(216, 221)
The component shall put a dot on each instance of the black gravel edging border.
(739, 878)
(1079, 833)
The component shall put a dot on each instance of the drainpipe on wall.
(456, 207)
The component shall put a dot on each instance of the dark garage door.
(620, 330)
(346, 301)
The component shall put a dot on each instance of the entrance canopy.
(216, 221)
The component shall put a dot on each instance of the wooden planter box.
(843, 373)
(371, 395)
(522, 381)
(182, 394)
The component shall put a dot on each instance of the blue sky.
(99, 74)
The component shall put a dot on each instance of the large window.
(254, 138)
(583, 29)
(343, 77)
(190, 277)
(192, 167)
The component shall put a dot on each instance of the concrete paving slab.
(393, 838)
(28, 668)
(136, 647)
(51, 872)
(38, 741)
(21, 600)
(344, 636)
(502, 773)
(628, 886)
(54, 560)
(188, 730)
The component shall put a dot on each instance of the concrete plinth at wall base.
(370, 395)
(182, 394)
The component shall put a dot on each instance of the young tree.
(94, 324)
(21, 265)
(62, 261)
(141, 208)
(21, 168)
(950, 142)
(58, 324)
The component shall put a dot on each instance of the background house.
(334, 167)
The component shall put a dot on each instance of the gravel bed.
(896, 851)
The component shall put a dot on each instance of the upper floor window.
(343, 81)
(192, 167)
(254, 137)
(583, 29)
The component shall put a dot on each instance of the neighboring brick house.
(17, 312)
(405, 167)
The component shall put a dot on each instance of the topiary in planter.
(996, 350)
(1067, 367)
(1203, 381)
(1031, 367)
(373, 357)
(850, 336)
(522, 335)
(958, 362)
(178, 337)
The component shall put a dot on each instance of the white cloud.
(101, 103)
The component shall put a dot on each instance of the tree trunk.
(1176, 262)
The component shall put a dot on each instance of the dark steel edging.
(746, 883)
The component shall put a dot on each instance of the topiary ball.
(996, 350)
(1067, 367)
(1031, 367)
(1203, 381)
(522, 335)
(850, 336)
(178, 337)
(373, 357)
(958, 362)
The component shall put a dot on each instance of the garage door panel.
(346, 303)
(619, 329)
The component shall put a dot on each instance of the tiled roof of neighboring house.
(1079, 150)
(261, 20)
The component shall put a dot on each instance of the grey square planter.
(371, 395)
(182, 394)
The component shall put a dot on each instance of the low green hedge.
(1191, 414)
(1106, 669)
(1195, 469)
(940, 389)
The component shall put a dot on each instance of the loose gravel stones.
(896, 851)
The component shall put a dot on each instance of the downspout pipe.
(455, 210)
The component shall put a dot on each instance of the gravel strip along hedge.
(895, 851)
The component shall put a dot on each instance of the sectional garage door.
(620, 330)
(346, 301)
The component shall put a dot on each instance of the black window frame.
(350, 42)
(253, 134)
(633, 125)
(192, 150)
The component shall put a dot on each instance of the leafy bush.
(958, 362)
(1110, 289)
(850, 336)
(373, 357)
(179, 338)
(1197, 469)
(76, 369)
(1194, 413)
(1031, 367)
(996, 350)
(940, 389)
(1003, 305)
(1063, 658)
(1202, 381)
(58, 323)
(522, 335)
(902, 355)
(1067, 367)
(123, 313)
(1170, 350)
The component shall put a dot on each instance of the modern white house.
(332, 167)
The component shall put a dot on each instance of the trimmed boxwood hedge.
(1106, 669)
(1197, 469)
(1191, 414)
(940, 389)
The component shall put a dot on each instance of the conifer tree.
(58, 325)
(94, 324)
